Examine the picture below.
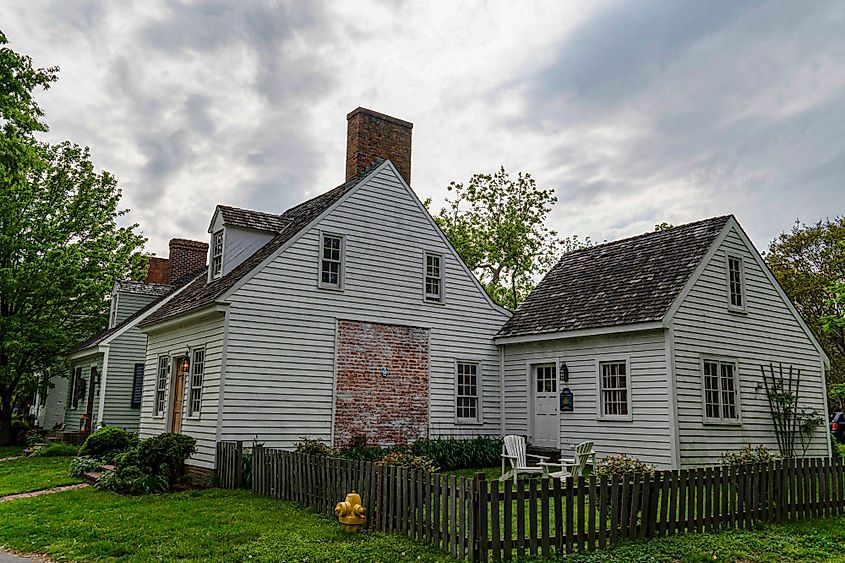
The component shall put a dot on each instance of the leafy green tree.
(809, 262)
(61, 248)
(497, 225)
(664, 226)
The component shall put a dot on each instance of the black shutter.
(137, 386)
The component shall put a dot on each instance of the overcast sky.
(635, 112)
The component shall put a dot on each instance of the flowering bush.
(748, 455)
(316, 446)
(407, 459)
(622, 465)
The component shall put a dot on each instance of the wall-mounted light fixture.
(185, 361)
(564, 373)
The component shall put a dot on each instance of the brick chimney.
(186, 257)
(370, 136)
(158, 270)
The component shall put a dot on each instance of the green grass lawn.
(9, 451)
(33, 474)
(209, 525)
(811, 540)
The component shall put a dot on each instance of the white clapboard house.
(348, 317)
(652, 346)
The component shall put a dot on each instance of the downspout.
(502, 389)
(671, 376)
(102, 406)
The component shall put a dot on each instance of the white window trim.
(113, 312)
(190, 384)
(442, 299)
(599, 399)
(211, 274)
(743, 288)
(342, 271)
(737, 392)
(479, 393)
(163, 412)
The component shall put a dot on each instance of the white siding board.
(280, 360)
(646, 436)
(207, 333)
(768, 332)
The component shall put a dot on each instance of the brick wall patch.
(382, 384)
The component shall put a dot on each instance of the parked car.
(837, 427)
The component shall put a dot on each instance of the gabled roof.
(104, 335)
(629, 281)
(201, 293)
(141, 288)
(249, 219)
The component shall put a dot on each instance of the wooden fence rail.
(497, 521)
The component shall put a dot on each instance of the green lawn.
(9, 451)
(33, 474)
(86, 525)
(812, 540)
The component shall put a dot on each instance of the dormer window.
(217, 254)
(331, 261)
(736, 284)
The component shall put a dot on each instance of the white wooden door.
(546, 423)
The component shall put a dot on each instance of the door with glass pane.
(544, 389)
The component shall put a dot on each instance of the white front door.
(546, 424)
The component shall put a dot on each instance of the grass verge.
(210, 525)
(9, 451)
(33, 474)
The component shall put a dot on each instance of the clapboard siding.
(206, 333)
(768, 332)
(124, 352)
(129, 303)
(240, 244)
(281, 353)
(646, 436)
(73, 416)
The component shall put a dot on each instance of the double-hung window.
(720, 390)
(217, 254)
(433, 277)
(614, 382)
(197, 368)
(161, 383)
(736, 284)
(331, 261)
(467, 407)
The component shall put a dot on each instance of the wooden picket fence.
(490, 520)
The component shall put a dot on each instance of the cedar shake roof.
(628, 281)
(142, 288)
(202, 293)
(249, 219)
(165, 291)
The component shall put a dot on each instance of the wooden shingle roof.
(629, 281)
(201, 293)
(249, 219)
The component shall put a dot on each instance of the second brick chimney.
(186, 257)
(370, 136)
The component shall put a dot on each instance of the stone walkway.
(8, 557)
(44, 492)
(11, 458)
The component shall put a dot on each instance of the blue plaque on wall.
(566, 400)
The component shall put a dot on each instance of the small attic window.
(736, 284)
(217, 254)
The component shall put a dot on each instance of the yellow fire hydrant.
(350, 513)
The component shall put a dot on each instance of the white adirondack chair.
(573, 467)
(513, 451)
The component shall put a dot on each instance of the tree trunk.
(6, 435)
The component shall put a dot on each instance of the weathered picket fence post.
(239, 464)
(256, 470)
(478, 522)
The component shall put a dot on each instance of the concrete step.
(91, 477)
(105, 467)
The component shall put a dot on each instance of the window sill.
(432, 302)
(468, 422)
(336, 288)
(719, 422)
(737, 311)
(615, 418)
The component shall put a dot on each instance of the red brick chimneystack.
(370, 136)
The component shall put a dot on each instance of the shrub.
(106, 442)
(54, 449)
(452, 453)
(132, 481)
(35, 438)
(621, 465)
(748, 455)
(81, 465)
(408, 459)
(316, 446)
